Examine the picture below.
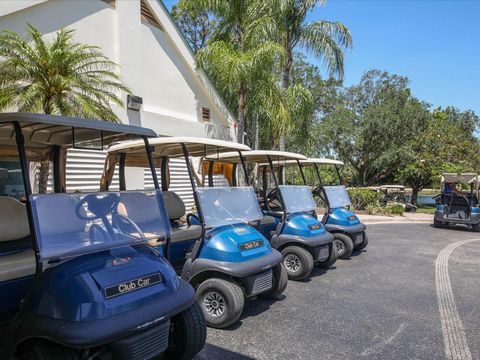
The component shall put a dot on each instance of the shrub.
(395, 209)
(381, 210)
(364, 198)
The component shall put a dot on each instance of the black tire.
(280, 280)
(437, 224)
(222, 294)
(364, 243)
(49, 351)
(298, 262)
(332, 258)
(344, 245)
(476, 227)
(188, 333)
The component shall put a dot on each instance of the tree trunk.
(241, 113)
(256, 133)
(415, 191)
(43, 171)
(361, 176)
(287, 69)
(44, 167)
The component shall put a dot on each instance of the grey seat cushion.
(184, 233)
(174, 204)
(17, 265)
(13, 219)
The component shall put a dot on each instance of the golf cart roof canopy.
(391, 187)
(466, 178)
(260, 156)
(42, 130)
(305, 163)
(171, 146)
(312, 161)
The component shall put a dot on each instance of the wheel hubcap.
(214, 304)
(292, 262)
(340, 247)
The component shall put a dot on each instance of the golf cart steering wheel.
(99, 205)
(272, 198)
(318, 192)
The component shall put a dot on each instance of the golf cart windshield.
(337, 196)
(297, 198)
(69, 225)
(228, 205)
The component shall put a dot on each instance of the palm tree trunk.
(287, 69)
(43, 176)
(43, 169)
(241, 113)
(256, 133)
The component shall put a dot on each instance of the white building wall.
(155, 64)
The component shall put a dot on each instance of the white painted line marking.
(454, 338)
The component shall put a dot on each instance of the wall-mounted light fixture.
(134, 102)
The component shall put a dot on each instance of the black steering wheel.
(98, 204)
(318, 192)
(272, 198)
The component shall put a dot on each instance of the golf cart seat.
(176, 210)
(266, 220)
(17, 259)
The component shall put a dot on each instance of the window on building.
(148, 16)
(205, 114)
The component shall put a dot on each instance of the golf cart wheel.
(332, 258)
(476, 227)
(344, 245)
(221, 302)
(364, 243)
(49, 351)
(437, 224)
(188, 332)
(280, 279)
(298, 262)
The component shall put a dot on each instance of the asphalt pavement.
(382, 303)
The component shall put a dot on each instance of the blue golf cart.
(458, 202)
(349, 233)
(78, 279)
(213, 247)
(289, 220)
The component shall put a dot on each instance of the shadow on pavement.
(215, 352)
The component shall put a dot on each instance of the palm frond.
(326, 40)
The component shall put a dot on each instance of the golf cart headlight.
(351, 218)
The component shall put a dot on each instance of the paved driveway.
(380, 304)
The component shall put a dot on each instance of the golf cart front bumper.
(319, 240)
(240, 269)
(148, 325)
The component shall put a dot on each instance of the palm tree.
(239, 57)
(59, 77)
(324, 39)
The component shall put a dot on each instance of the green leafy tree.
(447, 143)
(60, 77)
(370, 121)
(241, 59)
(197, 25)
(326, 40)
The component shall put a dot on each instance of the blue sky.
(436, 44)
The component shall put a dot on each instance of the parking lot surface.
(381, 304)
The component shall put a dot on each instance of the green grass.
(426, 209)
